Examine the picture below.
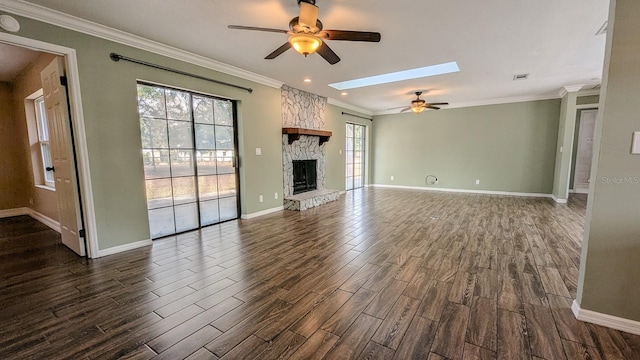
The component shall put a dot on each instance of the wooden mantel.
(294, 134)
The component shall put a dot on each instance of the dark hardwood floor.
(380, 274)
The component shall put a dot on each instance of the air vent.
(603, 29)
(520, 76)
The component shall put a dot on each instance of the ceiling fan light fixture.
(305, 44)
(417, 109)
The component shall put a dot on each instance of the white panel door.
(584, 154)
(55, 101)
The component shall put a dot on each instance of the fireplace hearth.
(304, 176)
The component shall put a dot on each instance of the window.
(46, 170)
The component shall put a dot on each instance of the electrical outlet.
(275, 196)
(340, 151)
(261, 198)
(392, 178)
(477, 182)
(258, 151)
(30, 201)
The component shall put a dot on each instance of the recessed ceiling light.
(398, 76)
(344, 93)
(307, 80)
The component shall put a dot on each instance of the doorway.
(586, 125)
(355, 156)
(63, 96)
(189, 147)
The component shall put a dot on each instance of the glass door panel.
(188, 149)
(354, 156)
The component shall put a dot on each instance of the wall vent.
(520, 76)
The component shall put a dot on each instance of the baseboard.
(610, 321)
(487, 192)
(559, 201)
(14, 212)
(53, 224)
(125, 247)
(261, 213)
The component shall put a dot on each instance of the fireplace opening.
(304, 176)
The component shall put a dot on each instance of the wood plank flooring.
(379, 274)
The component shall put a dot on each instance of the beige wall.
(26, 152)
(13, 176)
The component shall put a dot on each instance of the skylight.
(398, 76)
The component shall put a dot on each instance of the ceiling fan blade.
(328, 54)
(432, 107)
(397, 107)
(277, 52)
(350, 35)
(440, 103)
(240, 27)
(405, 109)
(308, 14)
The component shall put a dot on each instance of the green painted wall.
(335, 156)
(508, 147)
(610, 268)
(113, 136)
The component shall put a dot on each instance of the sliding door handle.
(50, 168)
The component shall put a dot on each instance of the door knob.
(50, 168)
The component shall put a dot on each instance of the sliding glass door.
(189, 151)
(355, 155)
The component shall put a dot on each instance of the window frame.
(44, 145)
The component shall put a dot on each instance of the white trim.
(488, 192)
(589, 92)
(496, 101)
(610, 321)
(559, 201)
(125, 247)
(53, 224)
(46, 187)
(58, 18)
(348, 106)
(14, 212)
(261, 213)
(75, 103)
(570, 89)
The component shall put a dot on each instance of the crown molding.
(496, 101)
(57, 18)
(570, 89)
(345, 105)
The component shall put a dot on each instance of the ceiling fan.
(419, 105)
(306, 34)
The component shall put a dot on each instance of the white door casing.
(57, 110)
(584, 152)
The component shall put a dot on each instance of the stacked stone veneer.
(301, 109)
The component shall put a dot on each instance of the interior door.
(584, 153)
(57, 110)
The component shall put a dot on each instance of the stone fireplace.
(304, 139)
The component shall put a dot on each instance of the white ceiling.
(13, 59)
(491, 40)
